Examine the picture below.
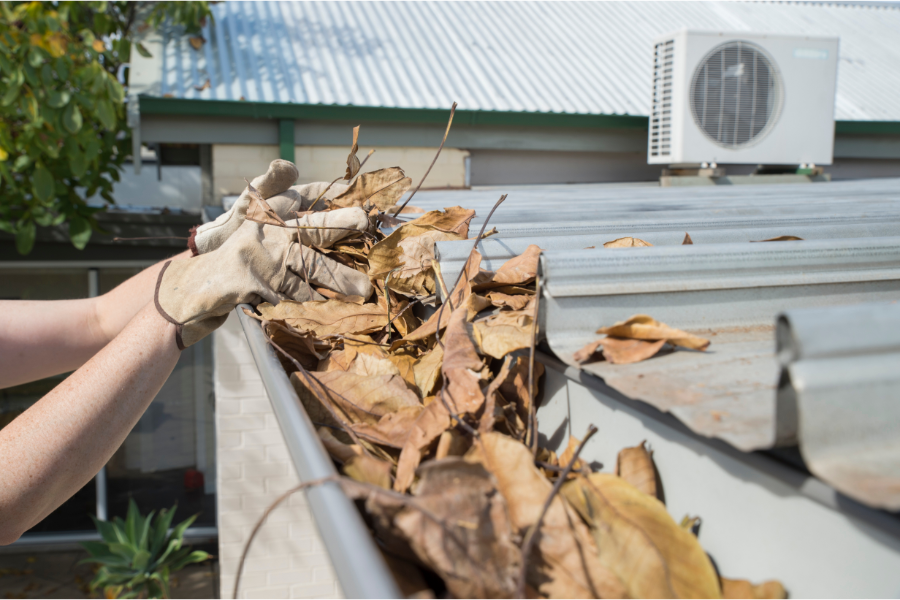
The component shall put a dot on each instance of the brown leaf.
(381, 408)
(452, 443)
(196, 42)
(205, 86)
(260, 211)
(352, 159)
(99, 46)
(408, 251)
(517, 302)
(741, 588)
(327, 318)
(515, 387)
(519, 270)
(433, 421)
(687, 240)
(380, 188)
(491, 393)
(619, 351)
(566, 457)
(300, 346)
(635, 465)
(639, 541)
(458, 296)
(627, 242)
(505, 332)
(643, 327)
(472, 550)
(565, 563)
(587, 352)
(336, 448)
(406, 369)
(782, 238)
(462, 366)
(427, 370)
(369, 469)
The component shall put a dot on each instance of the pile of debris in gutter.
(429, 410)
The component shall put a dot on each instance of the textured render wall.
(287, 559)
(232, 163)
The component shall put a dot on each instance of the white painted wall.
(287, 559)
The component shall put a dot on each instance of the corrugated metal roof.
(586, 58)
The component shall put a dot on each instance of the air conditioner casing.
(787, 82)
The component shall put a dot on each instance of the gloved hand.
(275, 187)
(257, 263)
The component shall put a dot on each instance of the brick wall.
(287, 559)
(232, 163)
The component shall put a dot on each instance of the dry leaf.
(99, 46)
(336, 448)
(587, 352)
(741, 588)
(474, 550)
(639, 541)
(369, 469)
(687, 240)
(566, 457)
(380, 188)
(519, 270)
(458, 296)
(635, 465)
(627, 242)
(565, 561)
(352, 159)
(427, 370)
(517, 302)
(782, 238)
(204, 86)
(327, 318)
(643, 327)
(619, 351)
(196, 42)
(515, 386)
(504, 333)
(462, 366)
(260, 211)
(433, 421)
(452, 443)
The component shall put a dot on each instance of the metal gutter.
(360, 568)
(837, 396)
(730, 293)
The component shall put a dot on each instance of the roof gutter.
(150, 105)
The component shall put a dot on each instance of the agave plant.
(138, 555)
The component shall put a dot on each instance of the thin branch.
(154, 237)
(463, 271)
(533, 530)
(265, 515)
(532, 407)
(441, 147)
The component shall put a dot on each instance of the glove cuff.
(192, 242)
(178, 326)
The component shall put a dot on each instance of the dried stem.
(326, 190)
(455, 416)
(441, 147)
(533, 530)
(265, 515)
(532, 407)
(154, 237)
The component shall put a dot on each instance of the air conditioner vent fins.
(661, 116)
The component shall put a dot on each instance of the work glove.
(258, 263)
(275, 187)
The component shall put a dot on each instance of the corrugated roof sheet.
(587, 58)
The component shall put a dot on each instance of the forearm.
(55, 447)
(43, 338)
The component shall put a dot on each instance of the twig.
(533, 530)
(554, 468)
(325, 190)
(437, 329)
(387, 301)
(406, 308)
(532, 407)
(455, 416)
(153, 237)
(265, 515)
(441, 147)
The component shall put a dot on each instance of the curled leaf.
(627, 242)
(643, 327)
(635, 465)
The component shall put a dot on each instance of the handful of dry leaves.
(430, 413)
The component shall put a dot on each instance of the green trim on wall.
(286, 139)
(317, 112)
(287, 113)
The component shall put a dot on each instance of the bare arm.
(43, 338)
(55, 447)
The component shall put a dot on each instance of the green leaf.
(78, 164)
(107, 114)
(194, 557)
(114, 89)
(131, 521)
(142, 50)
(58, 99)
(107, 531)
(22, 163)
(25, 237)
(5, 65)
(144, 533)
(62, 69)
(72, 118)
(10, 95)
(35, 59)
(42, 183)
(160, 528)
(80, 232)
(47, 75)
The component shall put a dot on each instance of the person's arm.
(40, 338)
(55, 447)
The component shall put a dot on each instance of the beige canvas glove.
(276, 181)
(258, 262)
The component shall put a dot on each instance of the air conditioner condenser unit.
(742, 98)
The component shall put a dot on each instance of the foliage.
(138, 555)
(63, 136)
